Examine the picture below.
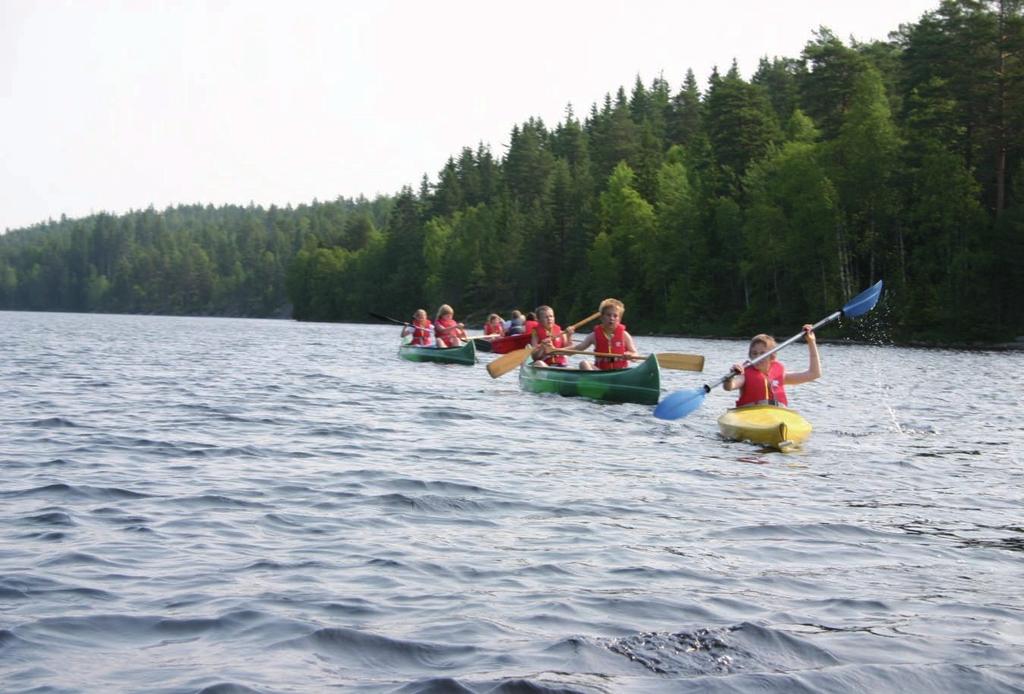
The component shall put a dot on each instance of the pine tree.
(741, 126)
(865, 163)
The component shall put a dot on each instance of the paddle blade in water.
(863, 302)
(680, 403)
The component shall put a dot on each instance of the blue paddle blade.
(863, 302)
(680, 403)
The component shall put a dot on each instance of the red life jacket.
(493, 329)
(529, 326)
(761, 390)
(557, 340)
(421, 334)
(617, 345)
(449, 337)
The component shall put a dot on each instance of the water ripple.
(375, 652)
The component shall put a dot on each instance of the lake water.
(225, 505)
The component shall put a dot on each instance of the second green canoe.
(466, 354)
(640, 384)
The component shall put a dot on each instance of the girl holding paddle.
(610, 337)
(420, 329)
(548, 336)
(765, 382)
(448, 332)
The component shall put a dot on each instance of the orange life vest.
(421, 333)
(557, 340)
(615, 345)
(759, 389)
(448, 336)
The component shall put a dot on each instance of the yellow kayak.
(768, 425)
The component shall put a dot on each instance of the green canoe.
(641, 384)
(466, 354)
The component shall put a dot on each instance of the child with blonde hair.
(610, 337)
(548, 336)
(420, 331)
(448, 332)
(494, 325)
(765, 382)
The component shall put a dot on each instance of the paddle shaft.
(759, 359)
(862, 303)
(822, 322)
(667, 360)
(420, 327)
(682, 402)
(393, 320)
(598, 354)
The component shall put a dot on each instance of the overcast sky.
(110, 105)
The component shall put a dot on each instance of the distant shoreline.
(1015, 346)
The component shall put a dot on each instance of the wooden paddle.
(667, 360)
(506, 362)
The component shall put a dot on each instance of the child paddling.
(420, 331)
(548, 336)
(765, 383)
(448, 332)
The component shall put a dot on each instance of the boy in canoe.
(765, 383)
(446, 330)
(610, 337)
(548, 336)
(421, 330)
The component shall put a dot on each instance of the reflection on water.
(237, 505)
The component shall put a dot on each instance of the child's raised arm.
(813, 371)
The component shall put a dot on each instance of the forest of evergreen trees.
(747, 205)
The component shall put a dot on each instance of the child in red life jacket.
(494, 325)
(609, 337)
(421, 330)
(548, 336)
(765, 382)
(446, 330)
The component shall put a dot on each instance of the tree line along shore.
(720, 209)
